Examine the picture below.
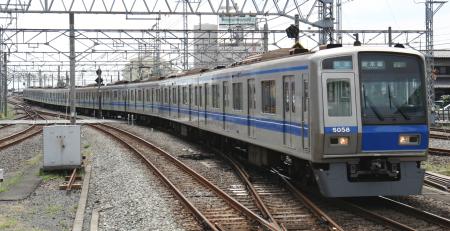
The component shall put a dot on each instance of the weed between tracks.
(9, 116)
(441, 168)
(15, 179)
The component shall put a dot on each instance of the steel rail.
(27, 133)
(439, 151)
(199, 215)
(370, 215)
(430, 217)
(332, 225)
(437, 181)
(258, 201)
(439, 136)
(231, 201)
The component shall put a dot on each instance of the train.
(353, 119)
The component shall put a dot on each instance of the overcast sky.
(357, 14)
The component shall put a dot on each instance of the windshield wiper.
(372, 106)
(396, 104)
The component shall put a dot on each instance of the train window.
(166, 95)
(147, 94)
(293, 96)
(237, 96)
(338, 63)
(157, 95)
(139, 95)
(206, 94)
(338, 97)
(174, 95)
(286, 96)
(185, 99)
(215, 96)
(200, 98)
(225, 94)
(268, 92)
(195, 96)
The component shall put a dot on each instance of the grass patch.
(35, 160)
(87, 146)
(48, 176)
(10, 114)
(53, 209)
(7, 223)
(9, 182)
(443, 169)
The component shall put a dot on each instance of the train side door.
(224, 103)
(251, 107)
(205, 108)
(340, 120)
(190, 102)
(178, 100)
(305, 113)
(289, 109)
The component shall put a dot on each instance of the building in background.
(145, 69)
(442, 70)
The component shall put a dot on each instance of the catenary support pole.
(72, 69)
(5, 85)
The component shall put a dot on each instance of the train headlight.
(341, 140)
(408, 139)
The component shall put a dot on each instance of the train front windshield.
(392, 88)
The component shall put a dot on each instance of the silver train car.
(355, 119)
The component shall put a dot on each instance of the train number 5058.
(341, 129)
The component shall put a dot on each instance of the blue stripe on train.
(386, 137)
(262, 123)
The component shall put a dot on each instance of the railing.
(442, 115)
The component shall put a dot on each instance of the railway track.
(439, 151)
(394, 214)
(437, 181)
(213, 208)
(283, 204)
(20, 136)
(443, 133)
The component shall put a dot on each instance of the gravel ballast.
(127, 194)
(47, 208)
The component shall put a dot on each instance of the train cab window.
(338, 97)
(215, 96)
(338, 63)
(237, 96)
(268, 93)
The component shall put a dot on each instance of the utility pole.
(72, 69)
(429, 53)
(5, 85)
(297, 24)
(99, 81)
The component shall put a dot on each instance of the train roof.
(272, 56)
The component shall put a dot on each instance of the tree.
(446, 99)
